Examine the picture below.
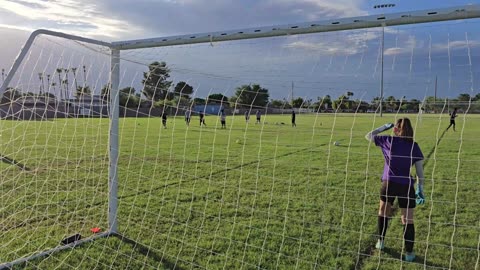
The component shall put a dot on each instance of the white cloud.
(75, 17)
(406, 46)
(318, 9)
(455, 44)
(337, 44)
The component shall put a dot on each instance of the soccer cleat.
(380, 245)
(409, 256)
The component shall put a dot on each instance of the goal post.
(148, 149)
(112, 112)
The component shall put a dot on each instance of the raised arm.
(370, 135)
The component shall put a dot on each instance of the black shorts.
(223, 122)
(404, 193)
(452, 122)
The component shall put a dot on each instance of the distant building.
(42, 108)
(212, 109)
(87, 105)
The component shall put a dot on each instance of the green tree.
(463, 97)
(217, 98)
(170, 96)
(298, 102)
(129, 101)
(128, 97)
(391, 103)
(155, 81)
(105, 92)
(341, 103)
(324, 101)
(199, 101)
(83, 91)
(276, 103)
(251, 95)
(183, 89)
(129, 91)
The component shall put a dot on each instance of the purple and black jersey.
(399, 155)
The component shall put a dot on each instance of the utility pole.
(435, 96)
(291, 95)
(383, 52)
(381, 79)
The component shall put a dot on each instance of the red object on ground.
(95, 230)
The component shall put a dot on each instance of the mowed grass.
(250, 196)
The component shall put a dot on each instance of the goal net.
(239, 154)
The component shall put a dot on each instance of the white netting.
(251, 195)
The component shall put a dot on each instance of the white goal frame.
(380, 20)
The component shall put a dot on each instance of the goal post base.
(9, 265)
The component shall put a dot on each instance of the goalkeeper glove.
(387, 126)
(420, 198)
(383, 128)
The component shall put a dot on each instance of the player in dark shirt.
(223, 118)
(453, 115)
(400, 153)
(164, 119)
(293, 119)
(202, 118)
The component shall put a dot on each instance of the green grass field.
(258, 196)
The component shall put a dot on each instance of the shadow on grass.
(146, 251)
(216, 172)
(427, 158)
(418, 259)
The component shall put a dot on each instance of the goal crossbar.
(371, 21)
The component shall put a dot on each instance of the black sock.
(409, 237)
(382, 227)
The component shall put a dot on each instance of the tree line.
(158, 91)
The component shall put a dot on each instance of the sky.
(311, 65)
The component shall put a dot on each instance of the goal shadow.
(11, 161)
(147, 252)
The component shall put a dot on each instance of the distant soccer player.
(247, 116)
(202, 118)
(293, 119)
(223, 118)
(188, 115)
(400, 153)
(259, 116)
(453, 115)
(164, 119)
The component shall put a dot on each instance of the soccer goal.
(239, 149)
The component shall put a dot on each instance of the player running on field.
(259, 116)
(293, 119)
(188, 115)
(223, 118)
(453, 115)
(164, 119)
(202, 118)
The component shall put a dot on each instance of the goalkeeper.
(400, 153)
